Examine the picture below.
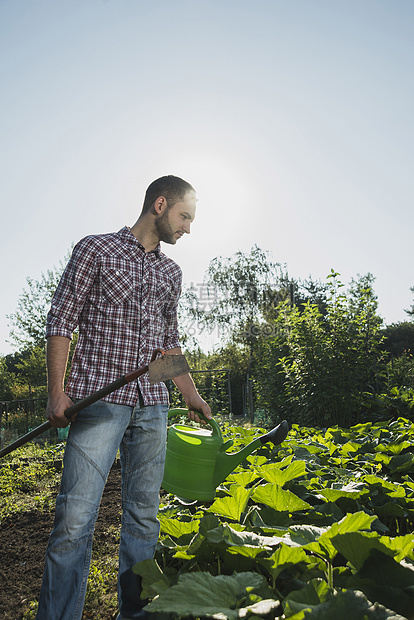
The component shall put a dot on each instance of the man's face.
(176, 220)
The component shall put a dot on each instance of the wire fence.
(213, 385)
(18, 417)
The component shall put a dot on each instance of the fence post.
(249, 398)
(229, 392)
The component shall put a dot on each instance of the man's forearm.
(187, 388)
(184, 383)
(57, 353)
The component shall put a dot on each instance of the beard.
(164, 229)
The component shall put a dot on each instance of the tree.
(299, 292)
(27, 324)
(410, 312)
(398, 343)
(236, 292)
(27, 327)
(312, 291)
(398, 338)
(236, 295)
(317, 368)
(28, 368)
(400, 372)
(32, 368)
(7, 380)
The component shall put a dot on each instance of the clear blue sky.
(292, 118)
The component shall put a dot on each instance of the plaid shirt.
(124, 302)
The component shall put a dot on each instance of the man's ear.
(160, 205)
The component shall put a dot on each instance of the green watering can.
(196, 459)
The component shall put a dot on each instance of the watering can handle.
(212, 422)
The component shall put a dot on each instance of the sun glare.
(220, 177)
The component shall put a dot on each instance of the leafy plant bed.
(320, 527)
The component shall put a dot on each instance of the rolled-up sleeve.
(71, 293)
(171, 337)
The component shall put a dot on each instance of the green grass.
(28, 479)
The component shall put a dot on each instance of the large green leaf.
(313, 539)
(352, 491)
(222, 597)
(279, 499)
(307, 450)
(361, 429)
(319, 540)
(241, 559)
(351, 447)
(228, 535)
(200, 545)
(356, 546)
(279, 464)
(401, 545)
(176, 528)
(390, 583)
(352, 523)
(272, 473)
(246, 551)
(305, 534)
(232, 506)
(328, 513)
(394, 447)
(382, 458)
(344, 605)
(403, 463)
(282, 558)
(391, 489)
(299, 616)
(389, 509)
(256, 459)
(259, 609)
(314, 593)
(153, 580)
(207, 523)
(268, 519)
(242, 478)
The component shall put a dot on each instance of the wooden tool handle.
(89, 400)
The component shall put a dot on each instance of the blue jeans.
(92, 444)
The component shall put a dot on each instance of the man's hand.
(194, 404)
(57, 404)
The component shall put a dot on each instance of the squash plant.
(320, 527)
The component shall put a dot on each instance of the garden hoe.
(161, 369)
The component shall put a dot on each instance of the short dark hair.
(172, 188)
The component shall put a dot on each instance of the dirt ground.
(23, 541)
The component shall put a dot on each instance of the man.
(122, 293)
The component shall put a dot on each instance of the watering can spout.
(226, 463)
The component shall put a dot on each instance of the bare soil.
(23, 541)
